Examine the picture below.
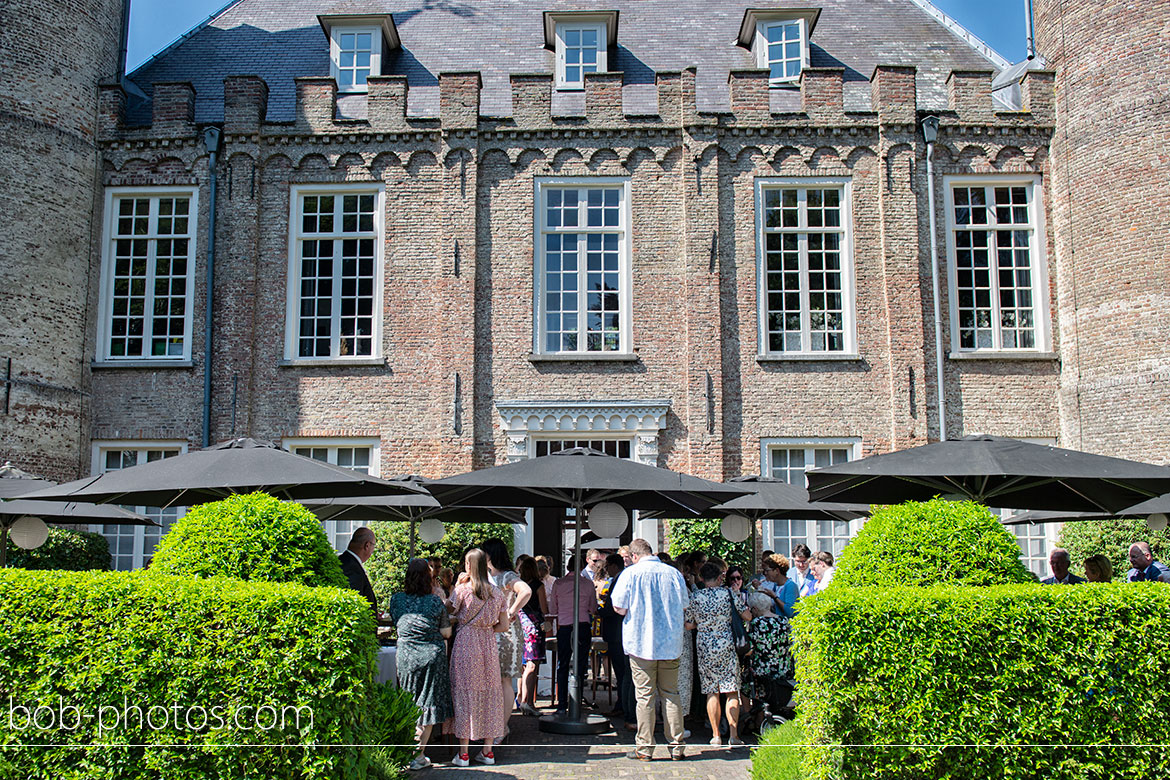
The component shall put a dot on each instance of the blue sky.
(154, 24)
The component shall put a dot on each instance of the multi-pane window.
(619, 448)
(355, 455)
(996, 290)
(583, 274)
(784, 49)
(356, 54)
(148, 275)
(1033, 542)
(132, 546)
(336, 273)
(805, 276)
(790, 462)
(580, 50)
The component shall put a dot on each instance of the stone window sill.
(1003, 355)
(583, 357)
(331, 362)
(813, 356)
(156, 364)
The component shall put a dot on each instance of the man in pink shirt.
(560, 607)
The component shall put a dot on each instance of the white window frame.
(581, 23)
(339, 531)
(292, 315)
(98, 450)
(376, 54)
(541, 186)
(1041, 309)
(848, 281)
(761, 47)
(113, 196)
(767, 445)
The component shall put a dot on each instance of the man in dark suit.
(353, 559)
(1058, 561)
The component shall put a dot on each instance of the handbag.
(738, 629)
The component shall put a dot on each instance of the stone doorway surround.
(640, 421)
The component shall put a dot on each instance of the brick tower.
(1111, 196)
(54, 56)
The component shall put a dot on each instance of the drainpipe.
(930, 135)
(124, 43)
(1028, 29)
(211, 141)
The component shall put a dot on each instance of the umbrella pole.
(412, 522)
(575, 723)
(3, 545)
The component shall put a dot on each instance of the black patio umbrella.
(14, 482)
(775, 499)
(408, 507)
(995, 471)
(1041, 516)
(1157, 505)
(579, 478)
(222, 470)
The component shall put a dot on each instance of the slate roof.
(281, 39)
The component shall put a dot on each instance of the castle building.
(709, 236)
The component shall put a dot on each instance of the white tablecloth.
(387, 665)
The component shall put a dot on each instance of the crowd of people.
(677, 632)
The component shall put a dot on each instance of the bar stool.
(598, 657)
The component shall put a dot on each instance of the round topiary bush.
(252, 537)
(931, 542)
(1113, 539)
(66, 549)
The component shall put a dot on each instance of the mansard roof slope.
(279, 40)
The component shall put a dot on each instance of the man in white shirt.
(652, 596)
(822, 569)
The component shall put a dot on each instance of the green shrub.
(775, 758)
(387, 566)
(66, 549)
(394, 719)
(922, 543)
(1113, 539)
(1010, 681)
(252, 537)
(108, 642)
(703, 535)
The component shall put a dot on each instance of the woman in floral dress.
(511, 642)
(481, 611)
(532, 624)
(770, 639)
(718, 664)
(423, 625)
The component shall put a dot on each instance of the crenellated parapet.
(973, 134)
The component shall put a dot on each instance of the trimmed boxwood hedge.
(66, 548)
(1012, 681)
(250, 537)
(927, 542)
(116, 640)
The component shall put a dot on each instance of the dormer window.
(779, 39)
(358, 44)
(582, 43)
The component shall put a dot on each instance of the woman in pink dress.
(481, 610)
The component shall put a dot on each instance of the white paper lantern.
(735, 528)
(608, 519)
(431, 530)
(29, 533)
(1156, 522)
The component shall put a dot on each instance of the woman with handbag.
(713, 610)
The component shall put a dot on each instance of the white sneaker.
(461, 759)
(422, 762)
(735, 742)
(716, 741)
(686, 734)
(486, 758)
